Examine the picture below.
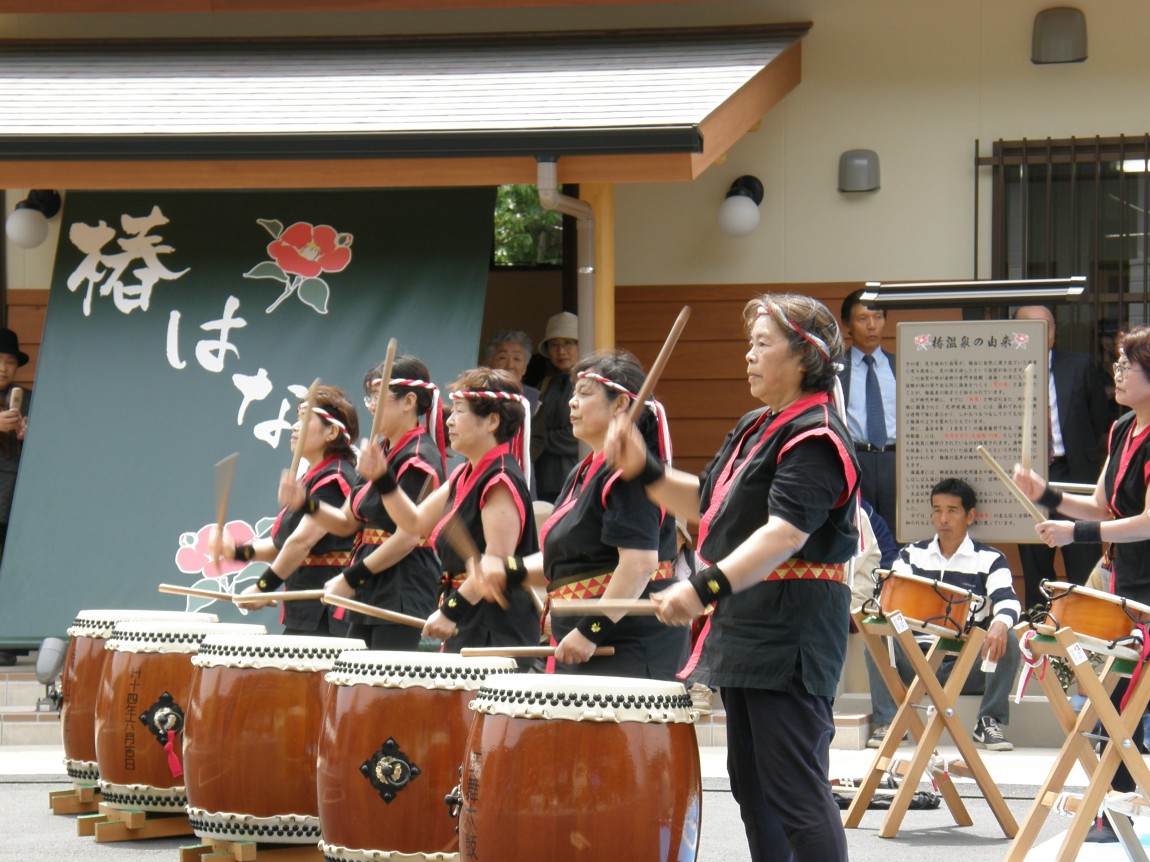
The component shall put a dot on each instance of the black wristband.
(244, 553)
(595, 629)
(455, 607)
(514, 571)
(1088, 531)
(1050, 499)
(710, 584)
(358, 574)
(386, 484)
(269, 581)
(653, 470)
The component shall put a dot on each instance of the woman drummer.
(300, 550)
(605, 539)
(391, 569)
(777, 529)
(486, 499)
(1117, 514)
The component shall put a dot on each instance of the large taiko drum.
(80, 681)
(140, 708)
(580, 769)
(252, 736)
(1102, 622)
(930, 606)
(395, 730)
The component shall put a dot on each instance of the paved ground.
(29, 831)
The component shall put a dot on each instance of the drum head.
(99, 624)
(279, 652)
(440, 671)
(584, 698)
(171, 636)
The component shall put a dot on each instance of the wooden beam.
(601, 196)
(104, 6)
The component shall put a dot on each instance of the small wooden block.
(72, 801)
(86, 824)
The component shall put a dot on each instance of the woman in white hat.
(554, 449)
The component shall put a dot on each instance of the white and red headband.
(434, 421)
(520, 445)
(653, 405)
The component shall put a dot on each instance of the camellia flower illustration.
(300, 255)
(195, 554)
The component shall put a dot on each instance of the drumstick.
(225, 473)
(1027, 415)
(174, 590)
(280, 596)
(303, 428)
(372, 611)
(384, 383)
(524, 651)
(1026, 502)
(578, 607)
(462, 543)
(658, 365)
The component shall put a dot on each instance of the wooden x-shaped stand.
(1100, 772)
(944, 717)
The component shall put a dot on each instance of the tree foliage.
(525, 233)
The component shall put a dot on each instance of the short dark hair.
(482, 379)
(956, 488)
(854, 299)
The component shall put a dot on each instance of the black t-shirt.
(1125, 480)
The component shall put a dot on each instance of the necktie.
(875, 418)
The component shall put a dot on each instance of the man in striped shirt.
(954, 558)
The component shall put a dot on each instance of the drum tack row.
(316, 748)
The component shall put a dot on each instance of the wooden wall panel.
(26, 312)
(704, 386)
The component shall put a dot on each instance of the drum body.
(80, 681)
(927, 605)
(250, 746)
(575, 769)
(395, 730)
(1097, 619)
(140, 708)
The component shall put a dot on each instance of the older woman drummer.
(776, 531)
(1117, 514)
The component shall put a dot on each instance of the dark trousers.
(392, 638)
(778, 758)
(1038, 560)
(877, 483)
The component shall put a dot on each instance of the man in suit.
(871, 403)
(1078, 419)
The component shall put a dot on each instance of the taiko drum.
(252, 736)
(1096, 618)
(140, 710)
(389, 753)
(80, 681)
(580, 768)
(927, 605)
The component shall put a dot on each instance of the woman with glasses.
(302, 553)
(1117, 514)
(390, 569)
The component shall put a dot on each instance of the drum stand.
(123, 824)
(213, 850)
(1117, 726)
(943, 717)
(81, 799)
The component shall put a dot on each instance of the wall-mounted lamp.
(27, 226)
(739, 213)
(858, 171)
(977, 293)
(1059, 36)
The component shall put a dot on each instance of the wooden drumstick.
(280, 596)
(1027, 415)
(173, 589)
(462, 543)
(372, 610)
(658, 365)
(225, 473)
(1026, 502)
(384, 383)
(579, 607)
(304, 423)
(523, 651)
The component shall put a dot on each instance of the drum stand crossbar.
(213, 850)
(80, 799)
(120, 824)
(944, 717)
(1079, 731)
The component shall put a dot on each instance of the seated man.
(953, 557)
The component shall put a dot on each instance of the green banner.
(185, 326)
